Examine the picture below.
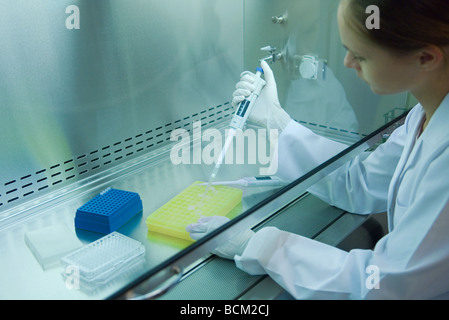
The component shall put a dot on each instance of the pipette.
(266, 181)
(239, 119)
(241, 115)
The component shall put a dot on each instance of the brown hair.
(405, 25)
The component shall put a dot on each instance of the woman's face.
(383, 71)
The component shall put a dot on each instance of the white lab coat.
(408, 177)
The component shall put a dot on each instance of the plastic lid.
(259, 69)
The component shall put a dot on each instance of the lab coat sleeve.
(307, 269)
(360, 186)
(301, 150)
(411, 262)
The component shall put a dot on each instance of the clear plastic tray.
(105, 258)
(49, 244)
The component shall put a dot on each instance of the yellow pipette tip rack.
(191, 204)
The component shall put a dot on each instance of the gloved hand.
(267, 111)
(231, 247)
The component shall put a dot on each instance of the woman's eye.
(360, 59)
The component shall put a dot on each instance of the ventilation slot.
(31, 184)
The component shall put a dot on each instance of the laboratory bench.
(200, 275)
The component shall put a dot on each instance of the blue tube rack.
(108, 211)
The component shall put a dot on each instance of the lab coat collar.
(438, 128)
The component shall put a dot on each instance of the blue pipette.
(239, 119)
(241, 115)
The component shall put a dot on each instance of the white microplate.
(105, 258)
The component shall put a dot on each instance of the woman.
(408, 176)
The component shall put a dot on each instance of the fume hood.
(95, 107)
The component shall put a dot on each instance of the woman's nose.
(350, 62)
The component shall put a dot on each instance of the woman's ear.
(431, 57)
